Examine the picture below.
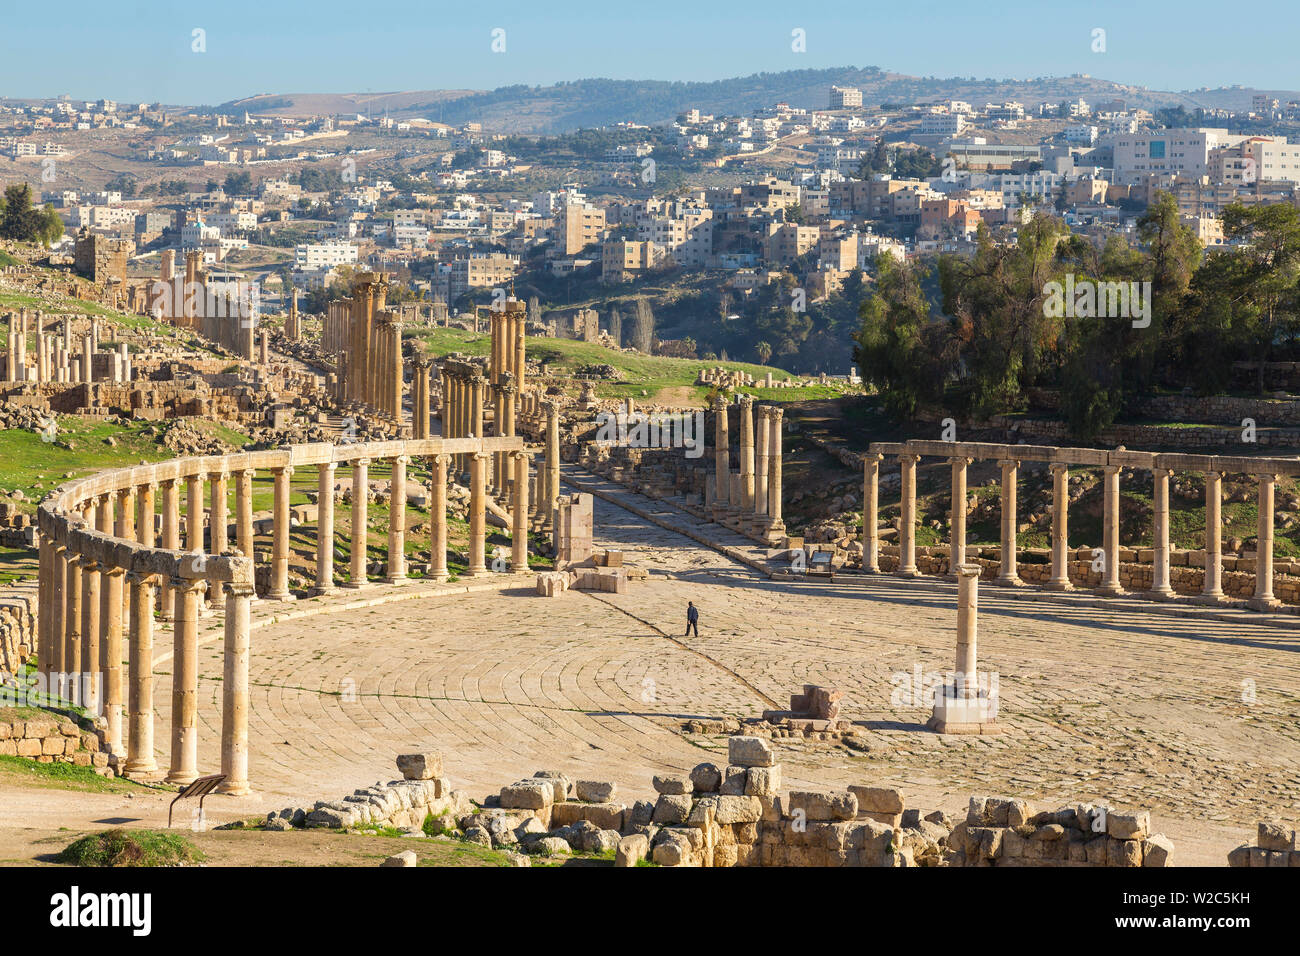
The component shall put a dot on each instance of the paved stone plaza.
(1103, 700)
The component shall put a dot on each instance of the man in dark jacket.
(692, 619)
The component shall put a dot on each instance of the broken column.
(963, 707)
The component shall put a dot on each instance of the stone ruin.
(1275, 845)
(815, 711)
(736, 815)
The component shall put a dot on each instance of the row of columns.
(1059, 580)
(93, 616)
(751, 495)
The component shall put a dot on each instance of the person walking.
(692, 619)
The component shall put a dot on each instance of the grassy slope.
(640, 372)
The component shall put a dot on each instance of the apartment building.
(577, 225)
(845, 98)
(1184, 152)
(313, 256)
(786, 241)
(481, 270)
(623, 259)
(943, 124)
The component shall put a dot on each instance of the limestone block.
(1157, 850)
(673, 784)
(405, 858)
(732, 809)
(750, 752)
(1128, 826)
(672, 809)
(673, 848)
(734, 780)
(762, 781)
(631, 850)
(1275, 836)
(1124, 853)
(551, 846)
(819, 806)
(560, 783)
(606, 816)
(595, 791)
(420, 766)
(878, 799)
(706, 778)
(527, 795)
(640, 814)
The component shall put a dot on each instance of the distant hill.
(601, 102)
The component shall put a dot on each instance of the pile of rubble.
(186, 439)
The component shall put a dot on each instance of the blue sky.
(141, 49)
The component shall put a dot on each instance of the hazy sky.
(133, 50)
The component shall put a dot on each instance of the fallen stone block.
(420, 766)
(749, 752)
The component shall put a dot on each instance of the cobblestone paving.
(1102, 700)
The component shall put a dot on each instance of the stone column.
(907, 519)
(957, 519)
(171, 538)
(519, 523)
(194, 513)
(477, 524)
(219, 515)
(139, 759)
(1160, 587)
(110, 655)
(235, 691)
(1264, 598)
(280, 544)
(44, 596)
(721, 458)
(552, 463)
(1009, 574)
(144, 517)
(244, 512)
(438, 518)
(1110, 531)
(325, 527)
(871, 512)
(747, 484)
(185, 681)
(72, 630)
(762, 463)
(360, 502)
(397, 522)
(1060, 579)
(90, 676)
(776, 528)
(54, 666)
(967, 665)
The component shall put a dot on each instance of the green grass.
(651, 373)
(131, 848)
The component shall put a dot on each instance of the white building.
(311, 257)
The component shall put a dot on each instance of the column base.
(1165, 593)
(1211, 597)
(477, 573)
(959, 715)
(182, 777)
(907, 573)
(1009, 581)
(282, 596)
(236, 788)
(1112, 590)
(1265, 603)
(323, 591)
(403, 579)
(440, 577)
(143, 774)
(521, 571)
(1055, 585)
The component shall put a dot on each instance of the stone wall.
(18, 623)
(737, 815)
(1275, 845)
(51, 739)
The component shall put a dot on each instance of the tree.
(616, 327)
(899, 349)
(764, 351)
(643, 327)
(21, 221)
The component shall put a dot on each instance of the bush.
(130, 848)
